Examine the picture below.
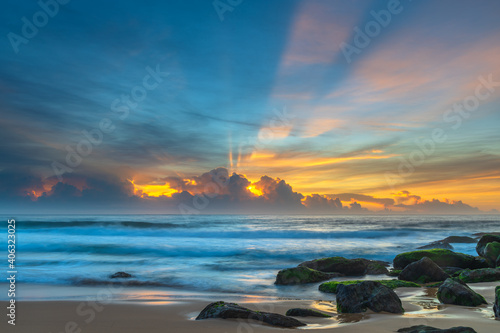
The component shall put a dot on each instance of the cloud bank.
(214, 192)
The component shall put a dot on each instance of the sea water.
(233, 254)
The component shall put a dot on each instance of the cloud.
(435, 206)
(362, 198)
(404, 197)
(211, 192)
(322, 204)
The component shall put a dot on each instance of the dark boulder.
(348, 267)
(429, 329)
(357, 298)
(437, 245)
(496, 306)
(232, 310)
(121, 275)
(453, 271)
(459, 239)
(491, 253)
(301, 275)
(480, 275)
(454, 291)
(376, 268)
(298, 312)
(442, 257)
(488, 238)
(423, 271)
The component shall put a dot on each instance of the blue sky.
(265, 91)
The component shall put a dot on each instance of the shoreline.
(151, 313)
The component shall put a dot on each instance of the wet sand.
(156, 315)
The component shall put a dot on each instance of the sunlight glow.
(153, 190)
(254, 190)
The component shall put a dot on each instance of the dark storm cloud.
(212, 192)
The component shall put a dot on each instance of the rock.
(496, 306)
(437, 245)
(357, 298)
(454, 291)
(332, 286)
(459, 239)
(232, 310)
(442, 257)
(301, 275)
(488, 238)
(375, 268)
(122, 275)
(423, 271)
(348, 267)
(298, 312)
(480, 275)
(480, 234)
(394, 272)
(452, 271)
(429, 329)
(491, 253)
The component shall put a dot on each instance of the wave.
(167, 230)
(128, 283)
(82, 224)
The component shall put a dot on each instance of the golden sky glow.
(153, 190)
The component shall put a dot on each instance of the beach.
(177, 315)
(174, 268)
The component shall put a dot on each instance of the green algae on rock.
(348, 267)
(442, 257)
(332, 286)
(480, 275)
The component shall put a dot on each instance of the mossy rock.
(423, 271)
(480, 275)
(453, 271)
(301, 275)
(359, 297)
(348, 267)
(485, 239)
(376, 268)
(394, 272)
(491, 253)
(331, 286)
(455, 291)
(459, 239)
(442, 257)
(496, 306)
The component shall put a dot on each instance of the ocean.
(224, 254)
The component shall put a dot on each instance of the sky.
(283, 106)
